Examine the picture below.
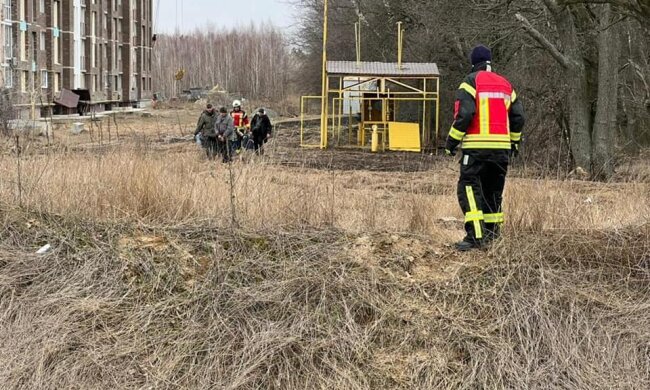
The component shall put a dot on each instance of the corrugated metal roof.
(382, 68)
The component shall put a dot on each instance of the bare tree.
(7, 112)
(635, 87)
(575, 68)
(637, 8)
(604, 131)
(593, 96)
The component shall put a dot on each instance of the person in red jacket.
(242, 125)
(488, 120)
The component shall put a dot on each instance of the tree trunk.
(640, 84)
(579, 102)
(604, 139)
(580, 117)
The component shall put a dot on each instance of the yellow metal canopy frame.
(391, 101)
(355, 104)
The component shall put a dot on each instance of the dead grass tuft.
(116, 305)
(335, 279)
(138, 182)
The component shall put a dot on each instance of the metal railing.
(8, 45)
(360, 124)
(352, 128)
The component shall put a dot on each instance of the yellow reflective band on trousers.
(456, 134)
(515, 137)
(469, 89)
(474, 215)
(494, 218)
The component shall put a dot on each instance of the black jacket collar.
(485, 65)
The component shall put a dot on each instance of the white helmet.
(236, 104)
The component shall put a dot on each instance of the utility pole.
(324, 108)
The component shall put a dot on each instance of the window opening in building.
(24, 75)
(8, 76)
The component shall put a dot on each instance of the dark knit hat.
(223, 110)
(480, 54)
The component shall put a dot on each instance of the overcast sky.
(186, 15)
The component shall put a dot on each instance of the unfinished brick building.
(99, 49)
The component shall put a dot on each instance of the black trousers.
(480, 191)
(259, 145)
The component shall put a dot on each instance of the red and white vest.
(490, 127)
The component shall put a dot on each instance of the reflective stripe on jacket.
(487, 113)
(239, 118)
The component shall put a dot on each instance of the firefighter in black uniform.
(488, 119)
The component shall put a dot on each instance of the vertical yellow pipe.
(356, 41)
(359, 54)
(357, 36)
(399, 45)
(374, 143)
(384, 115)
(425, 134)
(323, 119)
(435, 142)
(350, 123)
(302, 120)
(340, 112)
(388, 112)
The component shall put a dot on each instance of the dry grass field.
(305, 269)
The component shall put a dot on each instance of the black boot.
(468, 244)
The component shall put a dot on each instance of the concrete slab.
(99, 115)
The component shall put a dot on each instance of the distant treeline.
(253, 61)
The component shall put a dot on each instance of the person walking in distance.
(205, 131)
(225, 130)
(488, 120)
(261, 129)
